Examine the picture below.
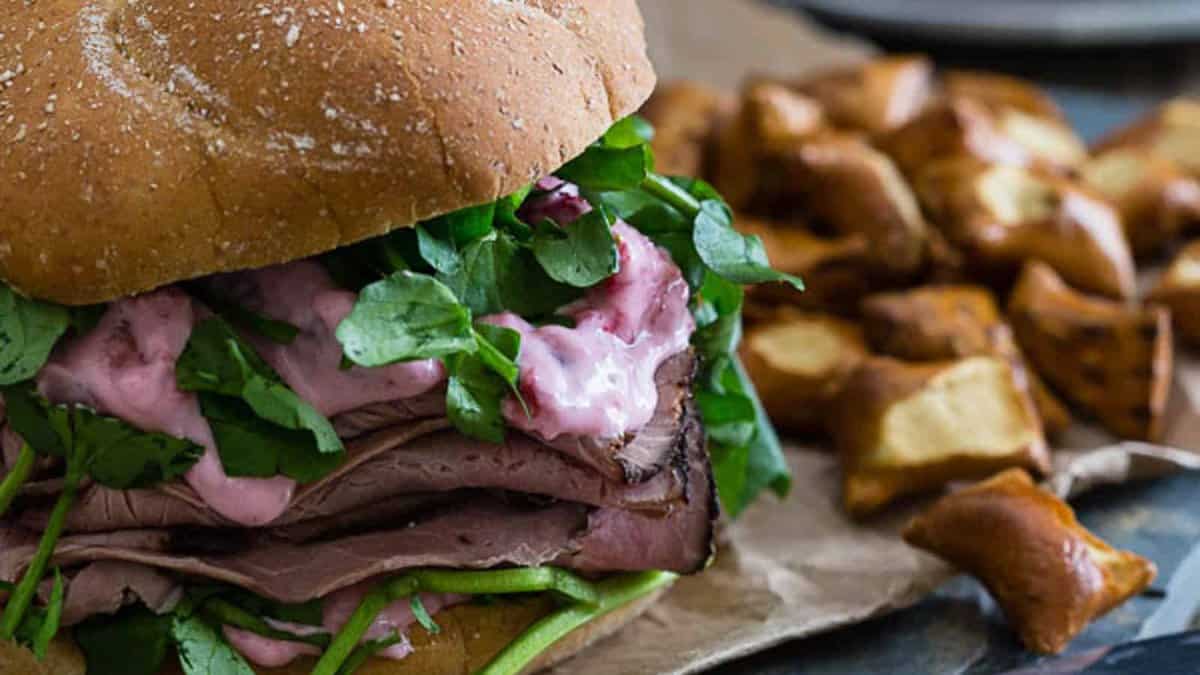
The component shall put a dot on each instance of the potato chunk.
(904, 429)
(1047, 572)
(875, 97)
(1179, 291)
(1155, 198)
(1172, 132)
(1111, 359)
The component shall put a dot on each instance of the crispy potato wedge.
(934, 323)
(875, 97)
(1155, 198)
(837, 272)
(1179, 290)
(853, 188)
(684, 115)
(903, 428)
(965, 126)
(1000, 216)
(1000, 92)
(1046, 571)
(1111, 359)
(798, 362)
(769, 121)
(1172, 132)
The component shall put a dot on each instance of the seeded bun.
(145, 143)
(470, 635)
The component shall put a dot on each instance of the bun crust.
(145, 143)
(470, 636)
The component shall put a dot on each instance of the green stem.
(12, 482)
(22, 596)
(490, 582)
(229, 614)
(614, 594)
(365, 651)
(669, 192)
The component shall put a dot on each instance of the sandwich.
(353, 336)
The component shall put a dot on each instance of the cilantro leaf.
(218, 361)
(405, 317)
(28, 331)
(582, 253)
(202, 650)
(132, 642)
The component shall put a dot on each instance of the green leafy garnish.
(581, 254)
(259, 424)
(28, 331)
(134, 641)
(479, 381)
(202, 651)
(280, 332)
(405, 317)
(422, 615)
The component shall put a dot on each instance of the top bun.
(144, 142)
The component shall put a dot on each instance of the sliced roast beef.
(377, 416)
(483, 532)
(104, 587)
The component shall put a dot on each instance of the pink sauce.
(126, 368)
(395, 618)
(303, 294)
(597, 379)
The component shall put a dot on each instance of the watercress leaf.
(628, 132)
(132, 642)
(728, 418)
(465, 225)
(473, 398)
(499, 274)
(280, 332)
(202, 650)
(441, 254)
(124, 458)
(683, 253)
(28, 331)
(29, 416)
(249, 445)
(422, 615)
(766, 465)
(84, 318)
(625, 204)
(507, 207)
(729, 465)
(607, 168)
(498, 349)
(48, 627)
(581, 254)
(737, 257)
(217, 360)
(405, 317)
(718, 317)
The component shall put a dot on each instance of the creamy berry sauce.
(125, 367)
(597, 379)
(303, 294)
(336, 611)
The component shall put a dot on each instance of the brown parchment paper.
(797, 567)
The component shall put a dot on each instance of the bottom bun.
(470, 636)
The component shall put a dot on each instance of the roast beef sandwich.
(353, 335)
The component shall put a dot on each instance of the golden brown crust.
(1000, 216)
(903, 429)
(934, 323)
(153, 142)
(798, 362)
(1049, 574)
(1112, 359)
(875, 97)
(685, 116)
(1172, 131)
(470, 636)
(1000, 91)
(1155, 198)
(1179, 291)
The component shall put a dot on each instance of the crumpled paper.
(800, 566)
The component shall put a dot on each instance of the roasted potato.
(1000, 216)
(798, 362)
(1110, 358)
(875, 97)
(903, 428)
(771, 118)
(1179, 290)
(963, 126)
(684, 115)
(1047, 572)
(1172, 132)
(837, 272)
(1155, 198)
(853, 188)
(1000, 92)
(934, 323)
